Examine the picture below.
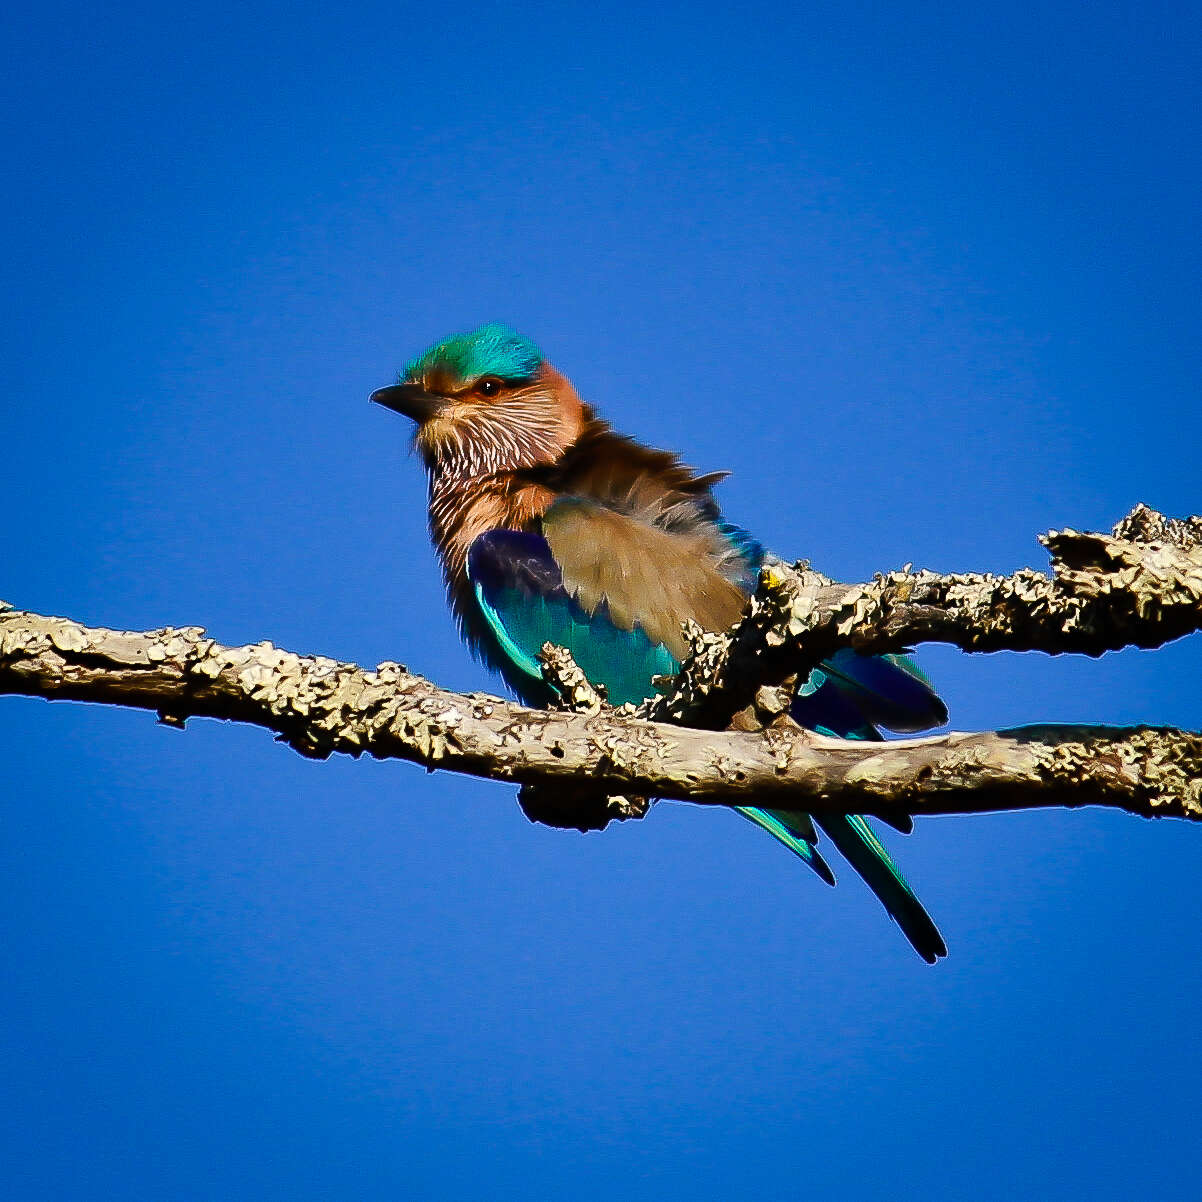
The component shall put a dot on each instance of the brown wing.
(648, 575)
(610, 467)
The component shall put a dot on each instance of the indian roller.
(553, 527)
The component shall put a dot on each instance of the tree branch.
(579, 806)
(1140, 586)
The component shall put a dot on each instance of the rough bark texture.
(1140, 586)
(588, 763)
(579, 806)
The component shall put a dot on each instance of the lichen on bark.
(719, 733)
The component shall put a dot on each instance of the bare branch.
(320, 706)
(1140, 586)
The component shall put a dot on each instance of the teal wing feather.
(523, 603)
(522, 600)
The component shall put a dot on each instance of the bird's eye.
(489, 386)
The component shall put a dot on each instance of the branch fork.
(719, 732)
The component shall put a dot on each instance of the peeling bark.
(1140, 586)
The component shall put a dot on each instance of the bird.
(551, 526)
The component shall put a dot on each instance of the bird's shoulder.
(626, 476)
(634, 530)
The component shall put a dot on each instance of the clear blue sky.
(925, 278)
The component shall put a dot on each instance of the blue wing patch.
(749, 550)
(888, 690)
(519, 589)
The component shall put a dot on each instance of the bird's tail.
(795, 831)
(839, 700)
(859, 846)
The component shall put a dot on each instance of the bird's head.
(484, 402)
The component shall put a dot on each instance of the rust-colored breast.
(459, 515)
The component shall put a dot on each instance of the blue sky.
(924, 278)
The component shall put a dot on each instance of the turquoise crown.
(492, 350)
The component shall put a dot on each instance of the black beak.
(410, 399)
